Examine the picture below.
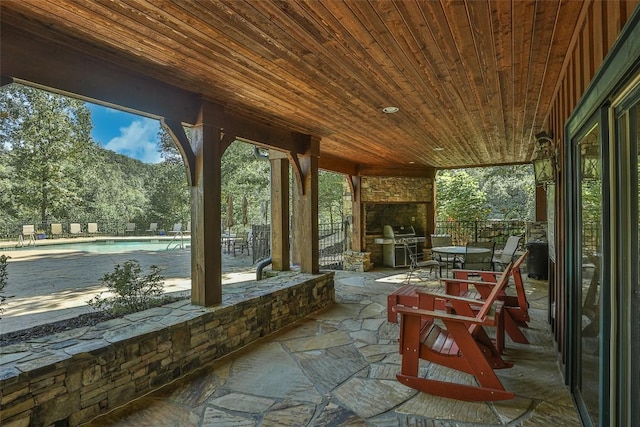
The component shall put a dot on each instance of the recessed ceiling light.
(438, 149)
(390, 110)
(411, 163)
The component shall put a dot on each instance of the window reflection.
(591, 233)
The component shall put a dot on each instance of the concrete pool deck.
(46, 284)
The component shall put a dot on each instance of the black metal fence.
(477, 231)
(331, 244)
(260, 242)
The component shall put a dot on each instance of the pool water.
(114, 246)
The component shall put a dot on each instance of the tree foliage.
(458, 197)
(45, 137)
(498, 192)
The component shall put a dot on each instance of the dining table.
(457, 251)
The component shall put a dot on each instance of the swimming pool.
(112, 246)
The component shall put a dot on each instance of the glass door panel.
(589, 285)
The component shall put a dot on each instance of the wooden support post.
(541, 204)
(206, 263)
(280, 252)
(357, 243)
(431, 207)
(306, 208)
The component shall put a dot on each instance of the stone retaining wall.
(79, 375)
(356, 261)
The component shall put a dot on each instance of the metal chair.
(478, 261)
(438, 240)
(507, 254)
(416, 266)
(153, 228)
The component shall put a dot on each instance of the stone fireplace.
(385, 200)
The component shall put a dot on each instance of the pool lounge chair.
(28, 236)
(92, 228)
(177, 228)
(131, 228)
(75, 229)
(56, 230)
(153, 228)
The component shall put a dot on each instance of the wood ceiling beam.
(36, 61)
(397, 171)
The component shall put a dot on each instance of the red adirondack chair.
(461, 343)
(516, 306)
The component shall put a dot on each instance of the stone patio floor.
(336, 368)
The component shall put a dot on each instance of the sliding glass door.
(627, 116)
(588, 284)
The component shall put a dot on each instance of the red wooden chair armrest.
(467, 281)
(452, 297)
(456, 270)
(410, 311)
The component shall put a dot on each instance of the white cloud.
(138, 140)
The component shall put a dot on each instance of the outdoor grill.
(394, 253)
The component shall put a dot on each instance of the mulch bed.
(83, 320)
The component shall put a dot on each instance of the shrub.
(131, 290)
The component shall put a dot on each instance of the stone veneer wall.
(394, 200)
(395, 189)
(73, 382)
(356, 261)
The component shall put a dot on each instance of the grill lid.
(398, 231)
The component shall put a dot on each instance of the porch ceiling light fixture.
(590, 158)
(390, 110)
(544, 162)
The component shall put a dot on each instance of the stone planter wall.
(356, 261)
(74, 377)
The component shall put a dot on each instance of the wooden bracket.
(176, 131)
(297, 169)
(354, 186)
(225, 140)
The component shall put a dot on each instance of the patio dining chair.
(240, 241)
(418, 267)
(507, 254)
(439, 240)
(478, 261)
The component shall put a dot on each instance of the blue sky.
(126, 133)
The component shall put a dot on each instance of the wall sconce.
(590, 158)
(544, 161)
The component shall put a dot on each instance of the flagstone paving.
(337, 368)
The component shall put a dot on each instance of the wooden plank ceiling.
(473, 79)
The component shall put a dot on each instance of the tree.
(169, 198)
(245, 175)
(330, 197)
(459, 197)
(510, 191)
(44, 136)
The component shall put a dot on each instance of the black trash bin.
(538, 260)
